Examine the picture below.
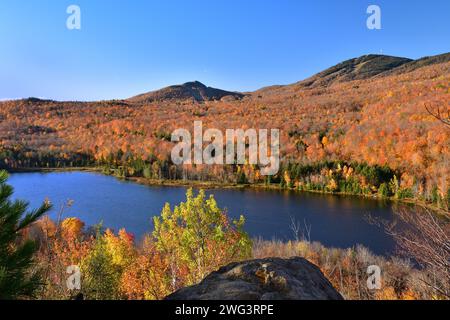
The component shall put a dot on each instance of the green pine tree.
(17, 281)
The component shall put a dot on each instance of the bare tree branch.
(445, 119)
(425, 237)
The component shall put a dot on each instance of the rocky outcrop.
(263, 279)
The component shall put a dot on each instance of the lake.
(335, 221)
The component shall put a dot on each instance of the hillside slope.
(361, 68)
(355, 69)
(416, 64)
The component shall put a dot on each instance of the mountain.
(355, 69)
(195, 90)
(361, 68)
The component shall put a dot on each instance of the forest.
(377, 137)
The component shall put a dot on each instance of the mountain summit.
(194, 90)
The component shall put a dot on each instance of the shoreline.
(209, 185)
(50, 170)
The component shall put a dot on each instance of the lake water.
(335, 221)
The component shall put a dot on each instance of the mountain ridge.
(360, 68)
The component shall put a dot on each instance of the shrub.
(100, 276)
(383, 190)
(198, 235)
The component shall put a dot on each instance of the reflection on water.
(337, 221)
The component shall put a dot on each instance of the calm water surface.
(335, 221)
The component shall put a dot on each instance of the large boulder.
(262, 279)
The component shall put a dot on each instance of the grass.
(346, 269)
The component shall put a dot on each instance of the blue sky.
(129, 47)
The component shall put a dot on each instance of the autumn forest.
(366, 126)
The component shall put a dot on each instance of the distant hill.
(195, 90)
